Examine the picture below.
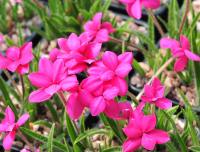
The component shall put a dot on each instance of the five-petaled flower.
(51, 78)
(97, 31)
(180, 51)
(154, 94)
(10, 127)
(134, 7)
(141, 132)
(17, 59)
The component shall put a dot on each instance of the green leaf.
(6, 96)
(43, 139)
(50, 139)
(195, 148)
(193, 25)
(90, 133)
(106, 5)
(113, 149)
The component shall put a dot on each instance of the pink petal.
(22, 69)
(132, 132)
(23, 119)
(91, 83)
(69, 83)
(102, 36)
(123, 69)
(26, 53)
(135, 9)
(74, 107)
(184, 42)
(97, 106)
(126, 57)
(108, 75)
(114, 112)
(77, 69)
(13, 53)
(93, 50)
(153, 4)
(159, 136)
(8, 140)
(163, 103)
(131, 145)
(3, 127)
(39, 79)
(73, 42)
(45, 67)
(52, 89)
(148, 122)
(108, 26)
(3, 62)
(9, 116)
(97, 19)
(121, 85)
(54, 54)
(168, 43)
(180, 64)
(12, 66)
(111, 93)
(85, 97)
(148, 142)
(110, 60)
(192, 56)
(90, 27)
(58, 69)
(62, 43)
(148, 91)
(39, 96)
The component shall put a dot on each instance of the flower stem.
(128, 44)
(184, 17)
(160, 70)
(156, 23)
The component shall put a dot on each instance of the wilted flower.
(51, 78)
(17, 59)
(180, 50)
(154, 94)
(9, 127)
(134, 7)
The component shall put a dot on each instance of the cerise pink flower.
(180, 50)
(77, 52)
(97, 31)
(134, 7)
(141, 131)
(10, 127)
(17, 59)
(154, 94)
(112, 70)
(51, 78)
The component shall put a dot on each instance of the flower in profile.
(10, 127)
(180, 51)
(51, 78)
(112, 70)
(154, 94)
(17, 59)
(77, 52)
(134, 7)
(141, 131)
(97, 31)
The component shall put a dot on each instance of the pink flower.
(18, 1)
(17, 59)
(9, 127)
(141, 132)
(77, 52)
(134, 7)
(154, 94)
(180, 50)
(112, 70)
(51, 78)
(98, 32)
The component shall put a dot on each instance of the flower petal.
(26, 53)
(126, 57)
(39, 96)
(45, 67)
(22, 69)
(153, 4)
(73, 42)
(163, 103)
(123, 69)
(23, 119)
(39, 79)
(148, 122)
(13, 53)
(131, 145)
(8, 140)
(74, 107)
(168, 43)
(111, 93)
(184, 42)
(9, 116)
(135, 9)
(180, 64)
(110, 60)
(148, 142)
(190, 55)
(69, 83)
(121, 85)
(3, 62)
(97, 106)
(62, 43)
(159, 136)
(52, 89)
(102, 36)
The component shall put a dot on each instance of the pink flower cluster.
(10, 127)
